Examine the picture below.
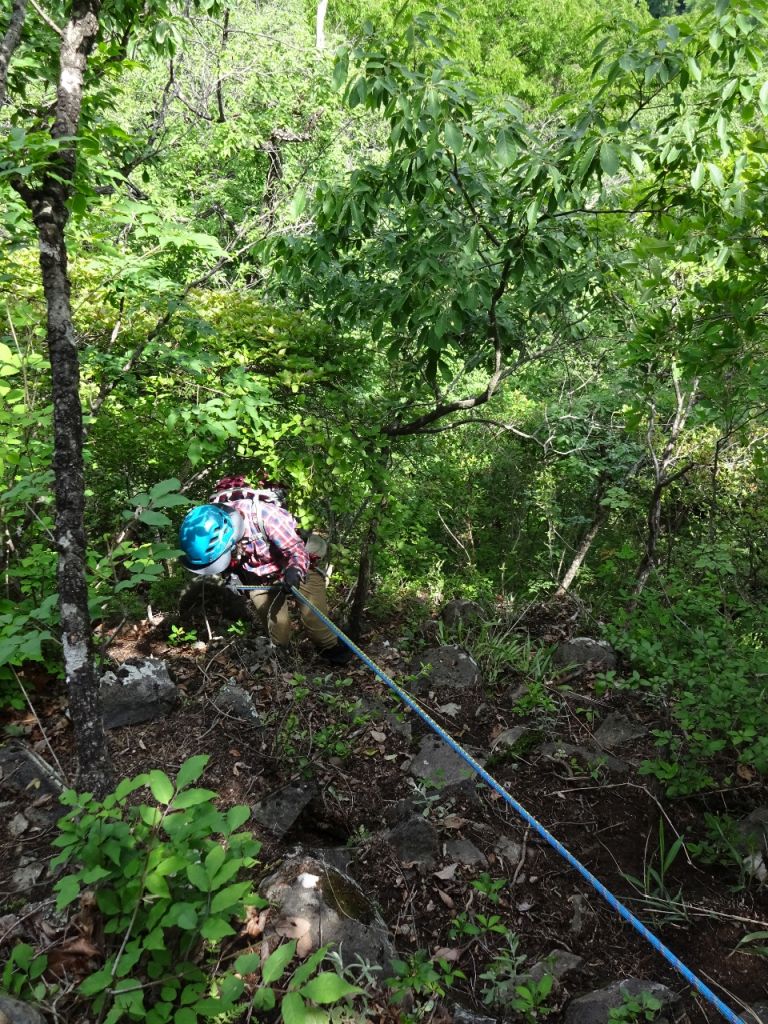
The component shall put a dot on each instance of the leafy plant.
(165, 879)
(23, 972)
(660, 900)
(635, 1008)
(179, 636)
(422, 976)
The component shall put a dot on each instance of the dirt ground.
(309, 730)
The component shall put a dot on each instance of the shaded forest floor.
(343, 731)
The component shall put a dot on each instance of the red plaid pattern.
(261, 557)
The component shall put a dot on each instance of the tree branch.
(10, 41)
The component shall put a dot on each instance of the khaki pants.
(274, 612)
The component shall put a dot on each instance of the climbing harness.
(693, 980)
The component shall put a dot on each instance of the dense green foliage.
(486, 285)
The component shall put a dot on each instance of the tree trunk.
(322, 7)
(47, 204)
(9, 42)
(582, 551)
(365, 569)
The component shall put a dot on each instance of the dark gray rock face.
(466, 853)
(593, 758)
(437, 764)
(460, 612)
(141, 690)
(236, 702)
(318, 905)
(450, 668)
(583, 650)
(280, 810)
(14, 1011)
(616, 730)
(415, 842)
(595, 1007)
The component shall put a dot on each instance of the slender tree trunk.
(322, 8)
(47, 204)
(9, 42)
(582, 551)
(219, 88)
(364, 572)
(663, 478)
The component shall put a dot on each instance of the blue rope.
(608, 896)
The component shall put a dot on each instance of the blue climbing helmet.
(207, 536)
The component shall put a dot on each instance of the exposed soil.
(359, 762)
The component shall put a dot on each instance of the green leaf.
(215, 929)
(230, 896)
(697, 176)
(192, 797)
(609, 158)
(264, 999)
(152, 518)
(716, 175)
(248, 963)
(293, 1009)
(198, 876)
(96, 982)
(275, 964)
(454, 137)
(340, 70)
(185, 1016)
(160, 786)
(763, 98)
(505, 148)
(165, 487)
(328, 988)
(67, 890)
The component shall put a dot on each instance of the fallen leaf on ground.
(378, 737)
(446, 899)
(453, 821)
(452, 955)
(447, 873)
(450, 709)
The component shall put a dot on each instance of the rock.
(338, 857)
(450, 668)
(583, 650)
(26, 874)
(615, 730)
(437, 764)
(23, 771)
(430, 630)
(280, 810)
(461, 612)
(318, 905)
(414, 842)
(509, 850)
(761, 1010)
(754, 830)
(560, 963)
(508, 739)
(17, 825)
(581, 911)
(594, 759)
(236, 702)
(595, 1007)
(141, 690)
(17, 1012)
(462, 1016)
(465, 853)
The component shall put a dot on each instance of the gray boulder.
(141, 690)
(583, 650)
(616, 730)
(465, 852)
(461, 612)
(595, 1007)
(236, 702)
(436, 764)
(14, 1011)
(318, 905)
(414, 842)
(450, 668)
(559, 964)
(564, 752)
(280, 810)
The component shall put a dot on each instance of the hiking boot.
(339, 654)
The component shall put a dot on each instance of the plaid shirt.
(256, 555)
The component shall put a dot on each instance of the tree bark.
(364, 572)
(583, 549)
(322, 8)
(49, 213)
(9, 42)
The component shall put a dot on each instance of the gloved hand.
(292, 578)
